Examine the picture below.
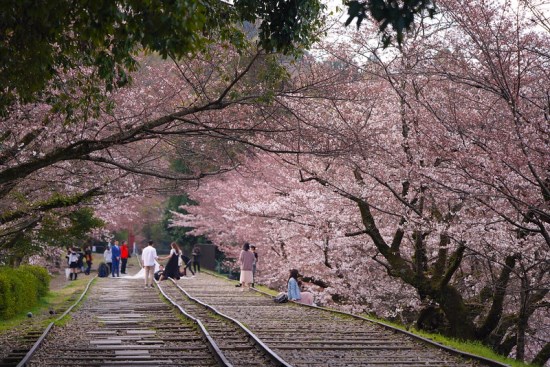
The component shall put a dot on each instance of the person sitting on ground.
(294, 290)
(159, 273)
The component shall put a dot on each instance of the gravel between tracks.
(121, 323)
(307, 337)
(289, 329)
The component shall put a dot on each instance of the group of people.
(248, 261)
(76, 258)
(116, 257)
(176, 267)
(178, 263)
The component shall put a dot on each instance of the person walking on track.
(149, 257)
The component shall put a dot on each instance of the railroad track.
(239, 346)
(23, 345)
(123, 324)
(307, 336)
(28, 341)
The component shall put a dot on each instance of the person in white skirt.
(246, 262)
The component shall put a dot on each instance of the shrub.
(7, 298)
(21, 288)
(42, 275)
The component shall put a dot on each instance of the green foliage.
(7, 299)
(42, 40)
(180, 166)
(155, 231)
(179, 234)
(20, 290)
(67, 229)
(399, 14)
(58, 228)
(273, 73)
(284, 23)
(71, 53)
(41, 274)
(121, 235)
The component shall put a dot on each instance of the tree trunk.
(495, 314)
(451, 301)
(543, 356)
(523, 317)
(456, 312)
(505, 348)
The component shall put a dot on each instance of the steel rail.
(274, 356)
(212, 345)
(42, 337)
(463, 354)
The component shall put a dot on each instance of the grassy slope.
(472, 347)
(55, 301)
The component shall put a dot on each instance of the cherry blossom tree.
(171, 113)
(293, 225)
(440, 153)
(474, 128)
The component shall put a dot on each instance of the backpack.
(103, 270)
(281, 298)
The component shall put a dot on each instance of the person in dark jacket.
(186, 263)
(253, 249)
(88, 258)
(196, 255)
(172, 269)
(115, 253)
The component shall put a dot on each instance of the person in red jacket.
(123, 257)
